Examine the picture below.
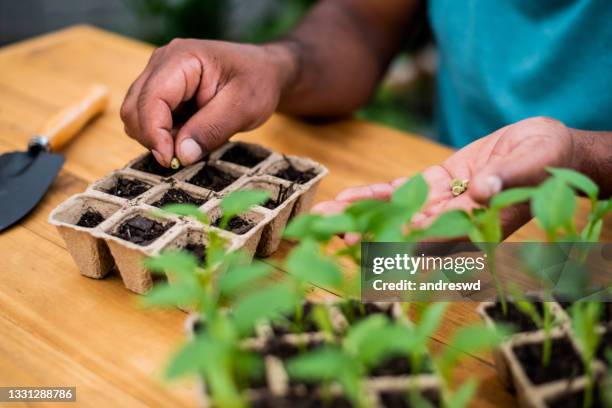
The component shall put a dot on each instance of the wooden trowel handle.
(65, 124)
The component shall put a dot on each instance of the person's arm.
(327, 66)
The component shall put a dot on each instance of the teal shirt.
(502, 61)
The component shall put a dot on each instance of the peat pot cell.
(212, 178)
(565, 363)
(238, 225)
(86, 212)
(285, 350)
(354, 310)
(292, 324)
(400, 365)
(575, 399)
(288, 171)
(606, 310)
(128, 187)
(90, 219)
(141, 230)
(298, 399)
(178, 196)
(245, 155)
(514, 317)
(197, 250)
(149, 164)
(402, 398)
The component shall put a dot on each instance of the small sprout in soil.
(294, 175)
(242, 155)
(149, 164)
(175, 164)
(212, 178)
(237, 225)
(90, 219)
(141, 231)
(177, 196)
(128, 188)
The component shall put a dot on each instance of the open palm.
(516, 155)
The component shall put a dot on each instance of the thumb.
(525, 165)
(210, 127)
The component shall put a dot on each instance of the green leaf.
(323, 364)
(264, 303)
(239, 278)
(177, 262)
(360, 335)
(431, 318)
(511, 197)
(553, 204)
(193, 356)
(301, 226)
(451, 224)
(576, 180)
(238, 202)
(188, 210)
(321, 228)
(411, 195)
(173, 294)
(307, 264)
(462, 397)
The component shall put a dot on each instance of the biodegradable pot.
(279, 215)
(129, 256)
(152, 197)
(247, 157)
(249, 240)
(231, 174)
(146, 166)
(390, 389)
(106, 184)
(91, 254)
(307, 186)
(530, 392)
(501, 364)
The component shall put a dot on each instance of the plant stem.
(498, 286)
(547, 346)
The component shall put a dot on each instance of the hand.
(516, 155)
(231, 88)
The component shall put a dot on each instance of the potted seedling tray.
(277, 342)
(104, 226)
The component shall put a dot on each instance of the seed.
(457, 190)
(175, 163)
(455, 183)
(465, 183)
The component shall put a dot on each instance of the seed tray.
(136, 189)
(278, 386)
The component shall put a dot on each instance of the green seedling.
(585, 319)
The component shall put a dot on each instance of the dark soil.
(574, 399)
(604, 344)
(354, 310)
(141, 231)
(128, 188)
(398, 364)
(90, 219)
(283, 194)
(290, 325)
(237, 225)
(514, 317)
(177, 196)
(212, 178)
(289, 172)
(242, 155)
(606, 310)
(197, 250)
(284, 350)
(565, 363)
(149, 164)
(296, 399)
(401, 399)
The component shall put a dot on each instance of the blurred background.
(404, 99)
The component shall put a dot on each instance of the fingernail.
(158, 157)
(190, 151)
(494, 185)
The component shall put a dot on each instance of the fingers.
(329, 207)
(226, 114)
(380, 191)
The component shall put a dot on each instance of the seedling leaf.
(307, 264)
(451, 224)
(576, 180)
(411, 195)
(553, 204)
(511, 197)
(238, 202)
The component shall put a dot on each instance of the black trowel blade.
(25, 177)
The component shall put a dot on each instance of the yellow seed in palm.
(465, 183)
(455, 183)
(457, 190)
(175, 163)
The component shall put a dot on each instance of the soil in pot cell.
(291, 173)
(244, 156)
(400, 365)
(128, 188)
(197, 250)
(518, 320)
(285, 350)
(575, 399)
(605, 347)
(212, 178)
(604, 317)
(403, 398)
(178, 196)
(283, 194)
(565, 363)
(90, 219)
(141, 231)
(294, 323)
(354, 310)
(297, 399)
(148, 164)
(237, 225)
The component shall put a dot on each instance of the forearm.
(593, 157)
(335, 57)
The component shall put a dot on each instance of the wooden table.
(60, 329)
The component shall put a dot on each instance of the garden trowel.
(26, 176)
